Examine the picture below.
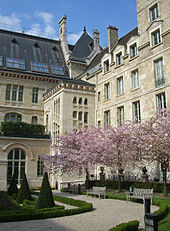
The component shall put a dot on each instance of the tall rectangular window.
(40, 167)
(120, 115)
(135, 79)
(99, 96)
(35, 95)
(133, 50)
(136, 112)
(14, 92)
(107, 91)
(85, 117)
(106, 66)
(159, 73)
(120, 87)
(119, 59)
(153, 12)
(80, 115)
(156, 37)
(106, 119)
(8, 92)
(160, 102)
(20, 93)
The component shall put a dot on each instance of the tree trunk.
(119, 183)
(87, 180)
(164, 172)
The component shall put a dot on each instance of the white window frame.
(120, 85)
(117, 59)
(107, 119)
(120, 115)
(158, 37)
(106, 66)
(35, 92)
(160, 102)
(136, 111)
(136, 50)
(107, 91)
(159, 72)
(135, 79)
(151, 10)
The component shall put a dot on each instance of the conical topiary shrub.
(24, 191)
(12, 187)
(45, 199)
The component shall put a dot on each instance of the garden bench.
(140, 193)
(97, 190)
(74, 188)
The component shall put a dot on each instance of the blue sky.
(42, 17)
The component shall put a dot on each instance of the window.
(136, 112)
(135, 79)
(120, 88)
(1, 61)
(85, 117)
(80, 101)
(46, 124)
(75, 100)
(107, 91)
(120, 115)
(74, 115)
(17, 91)
(99, 96)
(34, 120)
(15, 63)
(20, 93)
(119, 59)
(8, 92)
(57, 70)
(16, 164)
(14, 92)
(106, 66)
(80, 116)
(42, 67)
(85, 101)
(106, 119)
(156, 38)
(160, 102)
(14, 117)
(40, 167)
(133, 50)
(153, 12)
(159, 73)
(35, 95)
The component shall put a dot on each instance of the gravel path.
(106, 214)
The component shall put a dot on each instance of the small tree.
(45, 199)
(24, 191)
(12, 187)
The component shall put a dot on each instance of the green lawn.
(164, 224)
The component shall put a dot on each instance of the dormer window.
(119, 59)
(40, 67)
(153, 11)
(106, 66)
(133, 50)
(15, 63)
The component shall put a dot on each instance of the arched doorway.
(16, 164)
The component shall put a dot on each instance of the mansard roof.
(83, 48)
(29, 54)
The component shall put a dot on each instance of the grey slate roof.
(123, 40)
(30, 48)
(83, 48)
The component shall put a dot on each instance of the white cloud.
(35, 29)
(72, 38)
(11, 20)
(47, 17)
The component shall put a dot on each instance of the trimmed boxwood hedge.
(129, 226)
(29, 214)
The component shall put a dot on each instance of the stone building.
(63, 86)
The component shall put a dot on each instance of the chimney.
(62, 28)
(112, 36)
(96, 39)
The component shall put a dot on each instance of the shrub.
(12, 187)
(130, 226)
(45, 199)
(24, 191)
(6, 202)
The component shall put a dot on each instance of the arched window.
(34, 120)
(80, 101)
(85, 101)
(16, 164)
(14, 117)
(75, 100)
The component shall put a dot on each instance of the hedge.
(29, 214)
(129, 226)
(22, 129)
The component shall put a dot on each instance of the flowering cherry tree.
(152, 138)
